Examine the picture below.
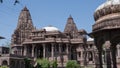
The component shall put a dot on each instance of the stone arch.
(90, 56)
(73, 53)
(39, 51)
(115, 40)
(4, 62)
(100, 43)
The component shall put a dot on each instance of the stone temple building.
(48, 42)
(71, 44)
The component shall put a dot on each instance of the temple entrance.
(5, 63)
(73, 53)
(39, 51)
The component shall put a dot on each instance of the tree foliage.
(54, 64)
(27, 63)
(3, 67)
(15, 1)
(44, 63)
(72, 64)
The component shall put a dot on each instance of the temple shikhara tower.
(22, 32)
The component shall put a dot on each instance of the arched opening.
(5, 63)
(99, 42)
(39, 51)
(90, 56)
(12, 64)
(73, 53)
(115, 50)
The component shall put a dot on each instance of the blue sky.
(48, 12)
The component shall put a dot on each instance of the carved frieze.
(106, 10)
(108, 24)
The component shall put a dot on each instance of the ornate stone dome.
(107, 3)
(50, 28)
(107, 15)
(110, 6)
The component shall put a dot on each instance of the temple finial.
(25, 9)
(70, 16)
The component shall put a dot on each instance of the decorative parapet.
(76, 40)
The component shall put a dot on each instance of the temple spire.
(70, 16)
(24, 27)
(24, 18)
(25, 9)
(70, 27)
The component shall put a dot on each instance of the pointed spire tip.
(70, 16)
(25, 9)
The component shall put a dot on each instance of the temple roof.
(90, 39)
(24, 18)
(107, 3)
(25, 9)
(50, 28)
(70, 26)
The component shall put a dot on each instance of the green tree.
(38, 66)
(27, 63)
(3, 67)
(54, 64)
(44, 63)
(72, 64)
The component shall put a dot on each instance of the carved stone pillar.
(67, 49)
(60, 48)
(108, 53)
(81, 54)
(52, 53)
(25, 50)
(33, 47)
(98, 53)
(82, 59)
(44, 50)
(60, 53)
(97, 59)
(35, 54)
(113, 48)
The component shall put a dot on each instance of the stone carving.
(24, 27)
(71, 28)
(106, 10)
